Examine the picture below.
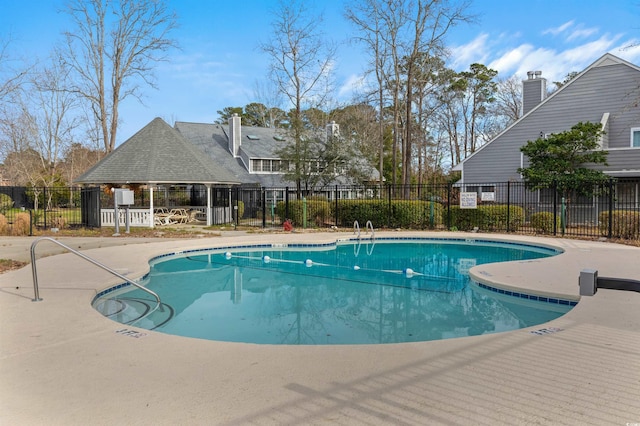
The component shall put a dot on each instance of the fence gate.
(90, 207)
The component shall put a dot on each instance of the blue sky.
(220, 63)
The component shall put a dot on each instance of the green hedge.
(487, 218)
(398, 214)
(348, 211)
(624, 224)
(318, 212)
(542, 222)
(403, 214)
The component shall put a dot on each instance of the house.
(607, 92)
(208, 158)
(248, 153)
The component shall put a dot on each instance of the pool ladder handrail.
(368, 225)
(37, 298)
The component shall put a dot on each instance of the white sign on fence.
(488, 196)
(468, 200)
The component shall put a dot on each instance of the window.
(635, 137)
(256, 165)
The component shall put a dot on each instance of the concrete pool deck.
(62, 363)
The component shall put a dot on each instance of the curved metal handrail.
(370, 225)
(37, 298)
(356, 227)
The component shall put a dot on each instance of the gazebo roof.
(156, 154)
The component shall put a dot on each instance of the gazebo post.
(209, 218)
(151, 218)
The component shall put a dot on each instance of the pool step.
(140, 312)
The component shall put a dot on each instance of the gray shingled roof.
(158, 154)
(213, 141)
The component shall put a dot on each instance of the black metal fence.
(610, 209)
(23, 209)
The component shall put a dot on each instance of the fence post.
(44, 205)
(236, 205)
(508, 206)
(264, 207)
(389, 206)
(610, 224)
(448, 206)
(336, 212)
(286, 204)
(555, 209)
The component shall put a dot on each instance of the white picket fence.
(142, 217)
(137, 217)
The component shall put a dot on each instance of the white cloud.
(582, 33)
(511, 59)
(557, 30)
(352, 84)
(467, 54)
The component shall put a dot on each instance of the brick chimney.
(534, 90)
(235, 135)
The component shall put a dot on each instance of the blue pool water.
(345, 293)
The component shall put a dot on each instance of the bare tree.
(10, 78)
(375, 29)
(301, 62)
(265, 94)
(112, 50)
(431, 21)
(508, 102)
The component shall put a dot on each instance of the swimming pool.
(349, 292)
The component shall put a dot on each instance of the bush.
(487, 218)
(403, 214)
(21, 224)
(318, 211)
(240, 209)
(348, 211)
(542, 222)
(58, 222)
(5, 203)
(4, 225)
(624, 224)
(414, 214)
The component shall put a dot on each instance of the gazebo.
(157, 156)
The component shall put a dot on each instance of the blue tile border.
(556, 301)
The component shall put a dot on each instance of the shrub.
(240, 208)
(381, 213)
(318, 211)
(58, 222)
(487, 218)
(5, 203)
(348, 211)
(4, 225)
(624, 224)
(414, 214)
(542, 222)
(21, 224)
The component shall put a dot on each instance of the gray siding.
(622, 160)
(601, 89)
